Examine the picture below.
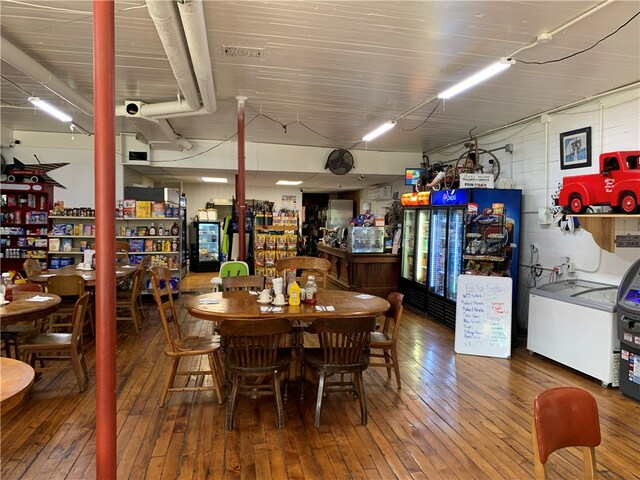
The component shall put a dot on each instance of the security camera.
(14, 142)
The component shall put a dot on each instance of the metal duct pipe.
(164, 15)
(27, 65)
(192, 15)
(155, 111)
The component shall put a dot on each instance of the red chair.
(565, 417)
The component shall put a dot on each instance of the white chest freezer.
(574, 323)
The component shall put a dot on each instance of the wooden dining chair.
(45, 347)
(12, 334)
(565, 417)
(69, 288)
(246, 282)
(122, 251)
(182, 346)
(383, 342)
(344, 349)
(128, 302)
(32, 267)
(252, 351)
(305, 266)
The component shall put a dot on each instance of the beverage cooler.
(205, 247)
(414, 261)
(456, 244)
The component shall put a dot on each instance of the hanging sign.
(476, 180)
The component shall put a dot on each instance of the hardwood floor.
(456, 417)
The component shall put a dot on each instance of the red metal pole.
(105, 182)
(240, 181)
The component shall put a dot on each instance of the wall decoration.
(31, 173)
(575, 148)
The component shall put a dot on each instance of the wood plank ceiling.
(339, 68)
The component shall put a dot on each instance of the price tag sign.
(476, 180)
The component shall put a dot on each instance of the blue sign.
(461, 196)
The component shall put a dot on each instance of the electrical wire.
(425, 120)
(580, 51)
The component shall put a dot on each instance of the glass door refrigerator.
(414, 261)
(205, 255)
(450, 220)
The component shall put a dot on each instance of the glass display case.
(365, 240)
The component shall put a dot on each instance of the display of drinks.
(311, 291)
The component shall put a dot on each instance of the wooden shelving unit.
(602, 226)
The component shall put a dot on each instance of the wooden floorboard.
(456, 417)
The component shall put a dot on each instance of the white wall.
(615, 125)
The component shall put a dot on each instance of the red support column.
(241, 181)
(104, 178)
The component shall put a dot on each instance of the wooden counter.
(374, 273)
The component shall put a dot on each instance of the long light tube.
(479, 77)
(385, 127)
(50, 109)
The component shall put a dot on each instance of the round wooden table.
(24, 308)
(241, 304)
(16, 378)
(122, 271)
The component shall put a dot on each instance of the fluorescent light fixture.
(214, 180)
(385, 127)
(288, 182)
(50, 109)
(479, 77)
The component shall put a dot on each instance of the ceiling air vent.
(243, 51)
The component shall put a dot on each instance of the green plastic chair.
(232, 268)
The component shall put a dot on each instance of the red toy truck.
(617, 184)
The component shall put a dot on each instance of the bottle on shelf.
(152, 230)
(160, 230)
(311, 291)
(175, 229)
(174, 245)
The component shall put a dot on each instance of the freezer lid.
(600, 296)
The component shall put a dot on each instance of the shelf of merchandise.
(75, 246)
(175, 256)
(26, 202)
(602, 227)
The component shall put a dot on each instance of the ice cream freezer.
(574, 323)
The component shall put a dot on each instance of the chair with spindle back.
(386, 339)
(181, 346)
(245, 282)
(69, 288)
(61, 346)
(344, 349)
(128, 303)
(122, 251)
(565, 417)
(319, 267)
(11, 334)
(253, 351)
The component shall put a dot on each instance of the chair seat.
(52, 340)
(315, 358)
(379, 338)
(199, 344)
(283, 360)
(13, 330)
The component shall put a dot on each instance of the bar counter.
(374, 273)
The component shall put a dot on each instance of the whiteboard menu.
(483, 316)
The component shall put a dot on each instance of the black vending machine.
(629, 332)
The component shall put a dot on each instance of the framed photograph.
(575, 148)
